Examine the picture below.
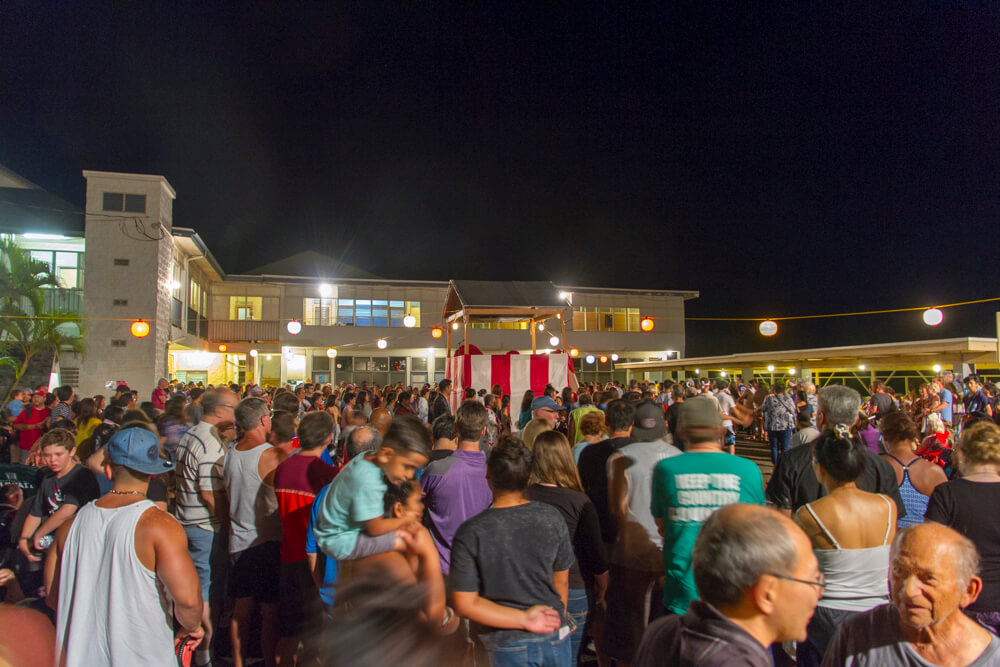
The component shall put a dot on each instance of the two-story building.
(307, 317)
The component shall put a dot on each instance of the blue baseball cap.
(540, 402)
(138, 449)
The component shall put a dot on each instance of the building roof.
(908, 354)
(311, 264)
(486, 300)
(33, 210)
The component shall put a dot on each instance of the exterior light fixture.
(331, 352)
(933, 317)
(573, 352)
(604, 358)
(647, 324)
(614, 357)
(140, 329)
(697, 371)
(454, 326)
(268, 357)
(325, 291)
(253, 353)
(294, 327)
(382, 343)
(768, 328)
(564, 296)
(937, 368)
(554, 341)
(770, 368)
(222, 347)
(862, 367)
(409, 321)
(589, 359)
(173, 285)
(437, 332)
(541, 326)
(791, 371)
(723, 373)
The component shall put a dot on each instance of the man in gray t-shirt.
(932, 579)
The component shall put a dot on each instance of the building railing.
(176, 310)
(196, 324)
(59, 299)
(243, 330)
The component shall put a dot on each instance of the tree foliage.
(27, 330)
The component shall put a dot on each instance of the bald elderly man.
(933, 576)
(758, 583)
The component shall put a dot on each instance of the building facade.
(303, 319)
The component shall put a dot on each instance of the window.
(319, 312)
(245, 307)
(600, 318)
(65, 267)
(116, 201)
(345, 311)
(369, 312)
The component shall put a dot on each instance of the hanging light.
(554, 341)
(294, 327)
(331, 352)
(541, 326)
(862, 367)
(253, 353)
(454, 326)
(791, 371)
(933, 317)
(437, 332)
(573, 352)
(589, 359)
(140, 329)
(647, 324)
(614, 357)
(768, 328)
(222, 347)
(604, 358)
(770, 368)
(937, 368)
(382, 343)
(409, 321)
(723, 373)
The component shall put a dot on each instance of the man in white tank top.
(110, 563)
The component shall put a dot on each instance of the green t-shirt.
(686, 490)
(356, 495)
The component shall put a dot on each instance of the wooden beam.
(466, 343)
(532, 325)
(562, 334)
(448, 333)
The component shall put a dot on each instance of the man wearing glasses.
(202, 506)
(758, 584)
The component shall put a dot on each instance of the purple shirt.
(456, 490)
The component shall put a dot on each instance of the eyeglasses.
(819, 582)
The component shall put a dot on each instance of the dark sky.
(782, 160)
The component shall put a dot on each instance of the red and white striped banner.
(515, 373)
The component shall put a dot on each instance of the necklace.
(126, 493)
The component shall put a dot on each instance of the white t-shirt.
(726, 404)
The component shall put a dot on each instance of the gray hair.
(213, 399)
(360, 440)
(732, 552)
(839, 404)
(964, 554)
(249, 412)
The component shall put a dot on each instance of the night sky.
(782, 160)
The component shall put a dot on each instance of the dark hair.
(444, 384)
(509, 464)
(841, 455)
(470, 420)
(195, 392)
(398, 493)
(897, 426)
(443, 427)
(174, 407)
(150, 410)
(86, 410)
(408, 434)
(470, 393)
(282, 426)
(314, 429)
(585, 399)
(64, 392)
(529, 396)
(286, 402)
(114, 413)
(620, 414)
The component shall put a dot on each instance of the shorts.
(255, 572)
(209, 551)
(635, 598)
(300, 610)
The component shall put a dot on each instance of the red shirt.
(296, 482)
(159, 398)
(28, 437)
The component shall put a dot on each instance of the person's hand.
(541, 619)
(36, 542)
(25, 547)
(421, 543)
(182, 635)
(6, 576)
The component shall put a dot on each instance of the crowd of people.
(336, 525)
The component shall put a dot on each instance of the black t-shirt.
(793, 482)
(671, 415)
(593, 467)
(78, 487)
(584, 530)
(968, 508)
(508, 555)
(438, 454)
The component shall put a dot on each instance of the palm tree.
(26, 330)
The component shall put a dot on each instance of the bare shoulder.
(155, 523)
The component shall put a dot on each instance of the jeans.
(210, 552)
(537, 651)
(780, 441)
(576, 608)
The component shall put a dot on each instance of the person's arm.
(31, 524)
(538, 619)
(560, 581)
(8, 580)
(428, 573)
(618, 488)
(269, 462)
(50, 525)
(50, 574)
(381, 526)
(176, 571)
(592, 552)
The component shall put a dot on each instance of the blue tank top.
(914, 501)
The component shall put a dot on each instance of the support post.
(565, 345)
(448, 334)
(466, 343)
(532, 325)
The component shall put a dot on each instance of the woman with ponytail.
(850, 531)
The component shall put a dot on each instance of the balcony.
(234, 331)
(196, 324)
(176, 309)
(59, 300)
